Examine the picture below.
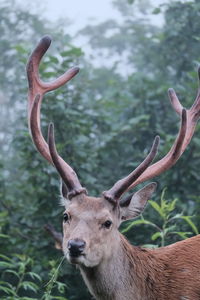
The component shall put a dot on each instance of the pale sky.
(78, 11)
(81, 12)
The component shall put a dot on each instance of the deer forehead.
(90, 209)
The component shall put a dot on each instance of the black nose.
(76, 247)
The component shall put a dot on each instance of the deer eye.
(66, 217)
(107, 224)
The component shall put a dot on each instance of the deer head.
(91, 224)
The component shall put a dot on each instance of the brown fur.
(115, 270)
(135, 273)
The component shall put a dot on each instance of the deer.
(111, 267)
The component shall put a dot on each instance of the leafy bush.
(19, 282)
(167, 223)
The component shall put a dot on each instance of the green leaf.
(5, 264)
(169, 229)
(7, 288)
(177, 216)
(157, 207)
(5, 257)
(190, 223)
(171, 205)
(137, 222)
(155, 236)
(183, 235)
(28, 285)
(34, 275)
(61, 287)
(12, 272)
(6, 284)
(4, 236)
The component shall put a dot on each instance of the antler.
(66, 173)
(192, 116)
(189, 119)
(121, 186)
(37, 89)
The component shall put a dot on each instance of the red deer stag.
(111, 267)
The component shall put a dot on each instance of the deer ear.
(134, 204)
(64, 194)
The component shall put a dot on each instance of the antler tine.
(36, 85)
(66, 172)
(122, 185)
(189, 121)
(37, 88)
(175, 101)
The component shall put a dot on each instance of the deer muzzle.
(76, 247)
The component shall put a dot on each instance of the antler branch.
(189, 119)
(37, 89)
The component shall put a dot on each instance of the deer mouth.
(75, 255)
(75, 258)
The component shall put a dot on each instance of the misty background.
(129, 53)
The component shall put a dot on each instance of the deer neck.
(123, 276)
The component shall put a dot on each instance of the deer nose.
(76, 247)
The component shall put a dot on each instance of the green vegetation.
(166, 224)
(105, 121)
